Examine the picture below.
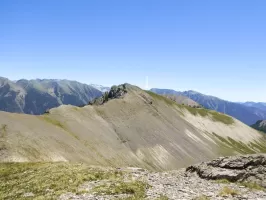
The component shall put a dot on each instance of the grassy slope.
(218, 117)
(142, 129)
(50, 180)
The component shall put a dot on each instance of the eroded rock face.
(248, 168)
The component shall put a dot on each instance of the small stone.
(29, 194)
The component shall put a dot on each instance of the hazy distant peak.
(193, 92)
(259, 105)
(100, 87)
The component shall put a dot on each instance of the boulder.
(245, 168)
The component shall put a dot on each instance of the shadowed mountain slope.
(260, 125)
(36, 96)
(136, 128)
(246, 114)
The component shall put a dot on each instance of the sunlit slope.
(141, 129)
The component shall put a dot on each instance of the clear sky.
(216, 47)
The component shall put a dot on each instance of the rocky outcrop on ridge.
(260, 125)
(248, 168)
(115, 92)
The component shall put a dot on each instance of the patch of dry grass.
(136, 189)
(162, 197)
(3, 130)
(57, 123)
(46, 180)
(202, 197)
(162, 98)
(216, 116)
(228, 191)
(252, 186)
(219, 117)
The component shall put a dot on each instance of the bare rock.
(251, 168)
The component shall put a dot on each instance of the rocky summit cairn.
(247, 168)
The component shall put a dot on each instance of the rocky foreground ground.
(241, 177)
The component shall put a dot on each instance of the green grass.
(231, 145)
(57, 123)
(261, 146)
(53, 121)
(100, 111)
(76, 108)
(228, 191)
(46, 180)
(216, 116)
(3, 131)
(3, 134)
(197, 111)
(223, 181)
(241, 147)
(162, 197)
(252, 186)
(222, 139)
(161, 98)
(135, 188)
(202, 197)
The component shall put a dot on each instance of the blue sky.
(214, 47)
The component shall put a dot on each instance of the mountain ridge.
(260, 105)
(38, 95)
(248, 115)
(140, 129)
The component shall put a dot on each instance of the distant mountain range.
(245, 112)
(125, 127)
(259, 105)
(36, 96)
